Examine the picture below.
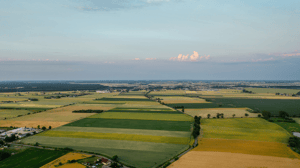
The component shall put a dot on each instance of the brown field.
(228, 112)
(55, 117)
(246, 147)
(34, 124)
(64, 159)
(232, 160)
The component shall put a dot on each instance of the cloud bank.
(194, 57)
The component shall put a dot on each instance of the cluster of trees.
(114, 164)
(88, 111)
(11, 138)
(196, 130)
(220, 115)
(247, 91)
(4, 155)
(33, 99)
(294, 142)
(177, 107)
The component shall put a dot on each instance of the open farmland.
(143, 116)
(55, 117)
(31, 157)
(140, 131)
(228, 112)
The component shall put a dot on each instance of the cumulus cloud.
(148, 59)
(194, 57)
(136, 59)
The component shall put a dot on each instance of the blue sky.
(149, 39)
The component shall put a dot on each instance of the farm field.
(117, 136)
(133, 124)
(142, 132)
(64, 159)
(297, 120)
(256, 129)
(246, 147)
(290, 127)
(31, 157)
(180, 99)
(228, 112)
(55, 117)
(233, 160)
(125, 131)
(9, 113)
(138, 154)
(143, 116)
(271, 90)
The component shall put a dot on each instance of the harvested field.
(244, 129)
(64, 159)
(133, 124)
(233, 160)
(29, 124)
(228, 112)
(143, 116)
(114, 136)
(297, 120)
(246, 147)
(125, 131)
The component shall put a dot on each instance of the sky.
(149, 40)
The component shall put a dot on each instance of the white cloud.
(194, 57)
(136, 59)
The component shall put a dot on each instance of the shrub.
(4, 155)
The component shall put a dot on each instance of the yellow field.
(228, 112)
(246, 147)
(54, 118)
(232, 160)
(115, 136)
(180, 99)
(64, 159)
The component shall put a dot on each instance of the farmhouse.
(297, 134)
(102, 91)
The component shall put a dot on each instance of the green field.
(31, 158)
(291, 106)
(143, 116)
(272, 105)
(138, 154)
(290, 127)
(133, 124)
(10, 113)
(244, 129)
